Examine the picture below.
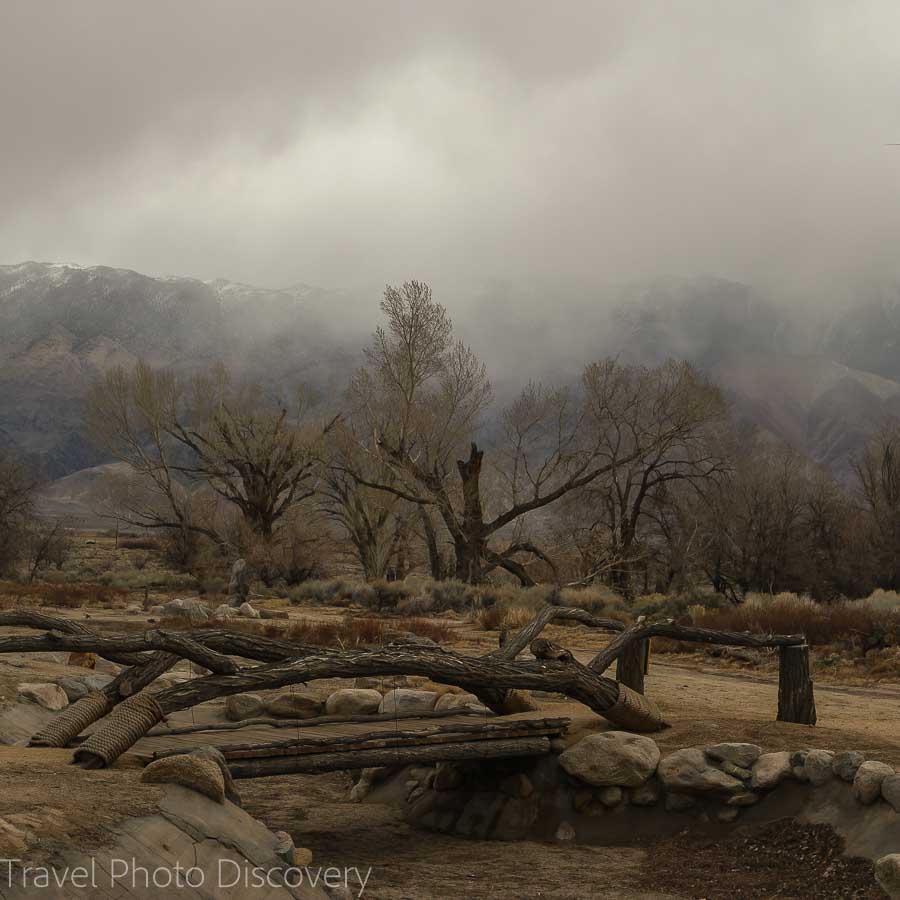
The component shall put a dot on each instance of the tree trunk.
(796, 702)
(632, 664)
(469, 543)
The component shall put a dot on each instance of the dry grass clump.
(350, 632)
(62, 595)
(858, 621)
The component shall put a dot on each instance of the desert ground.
(704, 699)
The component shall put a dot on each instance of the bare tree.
(246, 447)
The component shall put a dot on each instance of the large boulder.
(742, 755)
(353, 702)
(770, 770)
(192, 611)
(74, 688)
(244, 706)
(611, 758)
(50, 696)
(867, 784)
(817, 767)
(890, 790)
(458, 701)
(193, 772)
(887, 874)
(846, 764)
(406, 702)
(294, 705)
(688, 771)
(248, 611)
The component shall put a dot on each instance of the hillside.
(61, 326)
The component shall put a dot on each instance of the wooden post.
(632, 665)
(796, 702)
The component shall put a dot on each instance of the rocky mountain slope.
(820, 382)
(61, 326)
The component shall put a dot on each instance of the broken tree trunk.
(631, 665)
(796, 702)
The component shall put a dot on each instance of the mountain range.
(819, 380)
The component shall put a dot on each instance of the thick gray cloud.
(350, 144)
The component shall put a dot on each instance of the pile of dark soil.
(783, 859)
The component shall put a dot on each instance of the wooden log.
(388, 738)
(122, 647)
(541, 648)
(796, 702)
(31, 618)
(631, 666)
(399, 756)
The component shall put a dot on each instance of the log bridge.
(128, 712)
(354, 745)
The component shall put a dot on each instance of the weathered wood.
(796, 702)
(399, 756)
(631, 666)
(523, 638)
(31, 618)
(122, 647)
(541, 648)
(388, 738)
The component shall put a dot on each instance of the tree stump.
(796, 702)
(631, 666)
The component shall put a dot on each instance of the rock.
(353, 702)
(294, 705)
(186, 610)
(285, 846)
(743, 755)
(646, 795)
(97, 681)
(383, 685)
(745, 799)
(247, 611)
(244, 706)
(735, 771)
(517, 785)
(404, 701)
(201, 775)
(887, 874)
(800, 774)
(890, 790)
(518, 701)
(728, 814)
(515, 819)
(798, 758)
(611, 796)
(679, 802)
(846, 764)
(302, 856)
(457, 701)
(770, 770)
(74, 688)
(611, 758)
(582, 799)
(565, 832)
(213, 754)
(817, 767)
(224, 611)
(867, 783)
(50, 696)
(688, 771)
(447, 777)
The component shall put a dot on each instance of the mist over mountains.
(818, 380)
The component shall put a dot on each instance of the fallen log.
(388, 738)
(127, 725)
(177, 644)
(74, 719)
(351, 759)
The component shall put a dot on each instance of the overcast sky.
(347, 144)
